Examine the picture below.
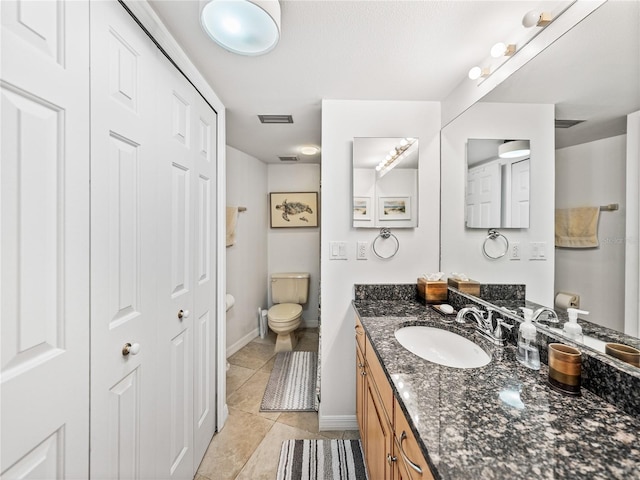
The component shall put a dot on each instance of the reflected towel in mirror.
(577, 227)
(232, 220)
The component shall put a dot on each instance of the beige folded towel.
(232, 220)
(577, 227)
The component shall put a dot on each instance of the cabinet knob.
(391, 459)
(183, 314)
(129, 348)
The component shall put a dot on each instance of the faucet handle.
(499, 332)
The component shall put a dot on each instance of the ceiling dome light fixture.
(245, 27)
(514, 149)
(309, 150)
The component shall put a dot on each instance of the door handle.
(183, 314)
(129, 348)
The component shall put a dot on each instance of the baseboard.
(242, 342)
(337, 422)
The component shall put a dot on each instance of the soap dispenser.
(572, 328)
(528, 353)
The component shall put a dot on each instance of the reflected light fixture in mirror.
(514, 149)
(245, 27)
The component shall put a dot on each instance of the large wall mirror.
(497, 190)
(385, 182)
(591, 75)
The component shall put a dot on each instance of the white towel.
(232, 220)
(577, 227)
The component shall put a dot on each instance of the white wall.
(342, 120)
(462, 247)
(296, 249)
(247, 258)
(593, 174)
(632, 280)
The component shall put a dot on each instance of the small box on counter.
(432, 292)
(470, 287)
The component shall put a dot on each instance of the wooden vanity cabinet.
(374, 410)
(388, 453)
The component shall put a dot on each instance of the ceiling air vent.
(275, 118)
(288, 158)
(567, 123)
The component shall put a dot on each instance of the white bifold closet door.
(123, 247)
(44, 254)
(153, 163)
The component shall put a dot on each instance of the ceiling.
(357, 50)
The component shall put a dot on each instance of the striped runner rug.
(321, 460)
(292, 383)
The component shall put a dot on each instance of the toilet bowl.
(283, 320)
(288, 291)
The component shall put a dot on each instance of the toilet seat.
(284, 312)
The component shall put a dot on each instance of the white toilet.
(289, 291)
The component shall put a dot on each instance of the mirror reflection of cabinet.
(385, 182)
(497, 193)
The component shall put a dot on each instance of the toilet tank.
(290, 287)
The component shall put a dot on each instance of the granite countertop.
(500, 421)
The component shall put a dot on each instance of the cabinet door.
(411, 462)
(379, 436)
(360, 393)
(44, 253)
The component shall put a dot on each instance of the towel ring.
(495, 235)
(385, 233)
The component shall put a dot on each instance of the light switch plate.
(337, 250)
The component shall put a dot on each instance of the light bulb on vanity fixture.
(245, 27)
(503, 50)
(476, 72)
(534, 18)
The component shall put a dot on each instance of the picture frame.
(362, 208)
(394, 208)
(293, 209)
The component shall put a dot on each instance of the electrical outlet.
(515, 251)
(363, 251)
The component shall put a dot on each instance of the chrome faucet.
(551, 315)
(485, 325)
(477, 314)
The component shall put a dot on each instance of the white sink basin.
(442, 347)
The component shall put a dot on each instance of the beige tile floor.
(248, 446)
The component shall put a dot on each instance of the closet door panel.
(44, 253)
(123, 285)
(176, 194)
(204, 287)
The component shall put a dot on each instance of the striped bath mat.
(321, 460)
(292, 384)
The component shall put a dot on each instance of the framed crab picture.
(293, 209)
